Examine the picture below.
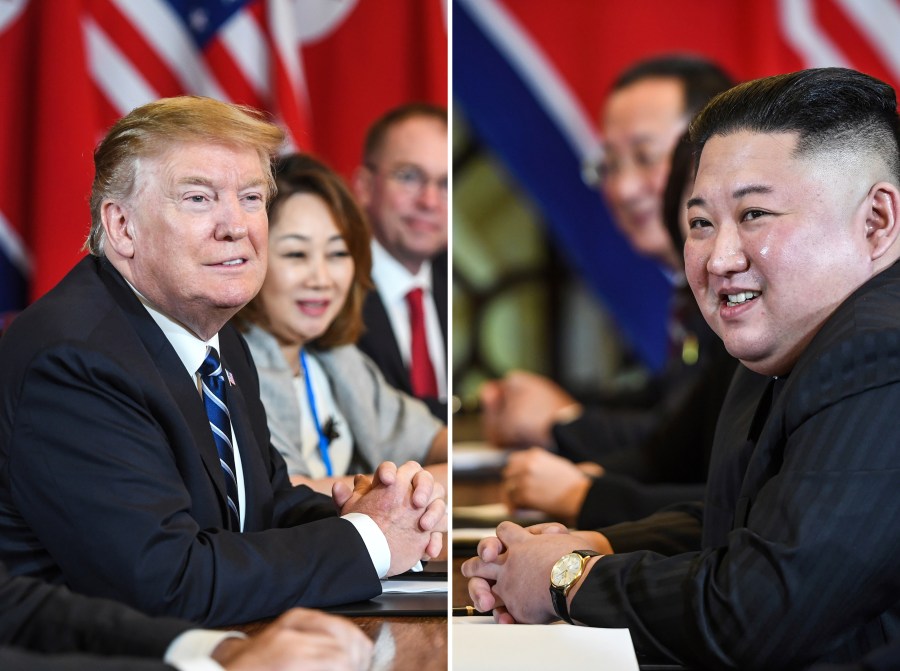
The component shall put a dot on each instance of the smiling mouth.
(731, 300)
(313, 308)
(233, 262)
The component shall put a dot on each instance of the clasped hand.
(406, 504)
(511, 574)
(521, 408)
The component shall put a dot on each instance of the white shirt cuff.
(192, 650)
(375, 540)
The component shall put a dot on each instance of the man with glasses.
(402, 185)
(645, 113)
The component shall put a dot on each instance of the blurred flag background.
(69, 68)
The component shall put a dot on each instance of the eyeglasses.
(413, 180)
(645, 161)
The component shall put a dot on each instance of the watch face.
(566, 570)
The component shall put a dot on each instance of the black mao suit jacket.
(793, 557)
(380, 344)
(110, 481)
(47, 628)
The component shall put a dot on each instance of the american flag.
(69, 68)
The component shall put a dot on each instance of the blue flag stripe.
(505, 115)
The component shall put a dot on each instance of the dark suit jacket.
(380, 344)
(621, 430)
(797, 561)
(110, 481)
(654, 458)
(671, 464)
(76, 633)
(886, 658)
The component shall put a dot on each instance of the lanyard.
(323, 439)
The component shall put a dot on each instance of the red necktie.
(421, 372)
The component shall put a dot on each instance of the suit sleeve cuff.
(192, 650)
(375, 541)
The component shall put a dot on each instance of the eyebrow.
(736, 195)
(400, 165)
(751, 188)
(637, 140)
(193, 180)
(305, 238)
(196, 180)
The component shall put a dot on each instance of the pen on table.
(467, 610)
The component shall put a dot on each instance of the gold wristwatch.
(565, 573)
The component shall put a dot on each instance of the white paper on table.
(473, 455)
(537, 647)
(394, 586)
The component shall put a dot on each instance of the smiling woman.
(329, 410)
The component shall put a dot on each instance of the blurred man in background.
(402, 185)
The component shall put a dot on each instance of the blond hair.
(152, 129)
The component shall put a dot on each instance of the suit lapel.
(439, 290)
(255, 477)
(732, 448)
(172, 373)
(188, 399)
(379, 343)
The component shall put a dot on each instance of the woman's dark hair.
(301, 173)
(680, 175)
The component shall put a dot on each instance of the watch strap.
(558, 594)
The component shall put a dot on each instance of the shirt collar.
(393, 280)
(189, 348)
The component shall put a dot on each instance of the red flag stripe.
(245, 40)
(236, 87)
(847, 36)
(129, 40)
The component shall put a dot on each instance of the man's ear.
(882, 212)
(118, 228)
(362, 185)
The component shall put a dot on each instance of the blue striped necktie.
(212, 379)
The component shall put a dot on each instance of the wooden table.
(401, 643)
(469, 492)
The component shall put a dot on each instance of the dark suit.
(380, 344)
(886, 658)
(654, 458)
(800, 532)
(75, 633)
(671, 464)
(621, 430)
(110, 481)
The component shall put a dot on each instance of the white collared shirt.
(393, 281)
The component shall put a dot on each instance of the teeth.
(742, 297)
(233, 262)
